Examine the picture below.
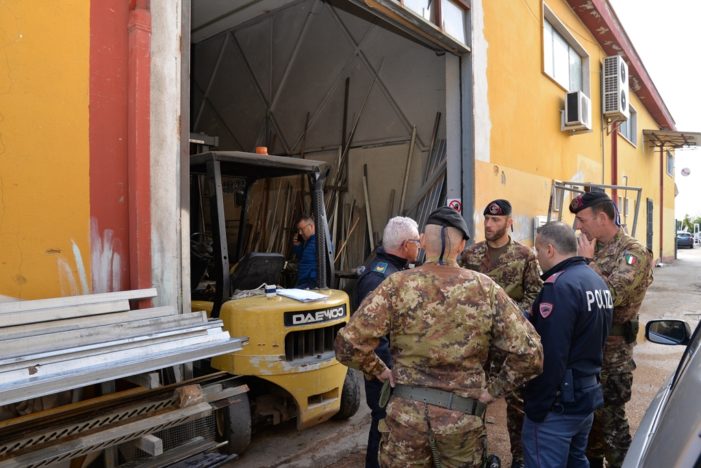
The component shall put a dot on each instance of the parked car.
(685, 239)
(670, 432)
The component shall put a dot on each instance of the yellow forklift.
(288, 364)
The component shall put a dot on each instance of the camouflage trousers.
(460, 439)
(610, 434)
(514, 424)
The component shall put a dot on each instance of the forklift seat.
(256, 268)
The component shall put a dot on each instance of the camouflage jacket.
(443, 321)
(626, 266)
(516, 270)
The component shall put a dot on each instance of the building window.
(670, 164)
(629, 128)
(453, 19)
(449, 15)
(420, 7)
(564, 60)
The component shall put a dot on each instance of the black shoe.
(596, 463)
(518, 464)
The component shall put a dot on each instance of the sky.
(667, 36)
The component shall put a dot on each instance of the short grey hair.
(398, 230)
(559, 235)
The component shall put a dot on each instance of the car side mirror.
(668, 332)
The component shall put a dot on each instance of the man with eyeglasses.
(304, 247)
(514, 267)
(400, 247)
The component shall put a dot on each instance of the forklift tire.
(237, 425)
(350, 396)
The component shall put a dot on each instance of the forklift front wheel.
(350, 395)
(235, 425)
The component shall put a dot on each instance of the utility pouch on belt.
(385, 394)
(567, 387)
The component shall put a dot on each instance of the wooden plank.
(180, 353)
(71, 301)
(150, 444)
(32, 329)
(88, 335)
(9, 319)
(107, 437)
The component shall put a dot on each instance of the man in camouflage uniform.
(443, 322)
(400, 246)
(514, 267)
(626, 267)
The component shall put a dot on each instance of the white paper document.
(302, 295)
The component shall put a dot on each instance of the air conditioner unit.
(577, 115)
(615, 88)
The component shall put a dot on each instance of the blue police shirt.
(374, 273)
(573, 315)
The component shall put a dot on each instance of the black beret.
(446, 216)
(498, 208)
(587, 200)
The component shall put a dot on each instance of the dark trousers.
(372, 397)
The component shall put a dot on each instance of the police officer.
(400, 246)
(626, 267)
(443, 322)
(572, 314)
(514, 267)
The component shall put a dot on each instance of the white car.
(670, 433)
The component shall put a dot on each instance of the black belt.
(442, 398)
(583, 382)
(618, 329)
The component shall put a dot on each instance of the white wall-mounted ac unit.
(577, 115)
(615, 102)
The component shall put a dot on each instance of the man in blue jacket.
(400, 246)
(304, 247)
(573, 315)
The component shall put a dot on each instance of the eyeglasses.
(413, 241)
(302, 228)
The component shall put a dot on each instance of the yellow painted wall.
(527, 147)
(44, 159)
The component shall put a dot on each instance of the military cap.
(498, 208)
(587, 200)
(446, 216)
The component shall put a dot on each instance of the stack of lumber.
(52, 345)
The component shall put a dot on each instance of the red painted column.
(662, 173)
(138, 154)
(109, 208)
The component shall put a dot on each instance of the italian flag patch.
(630, 259)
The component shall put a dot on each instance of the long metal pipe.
(614, 164)
(662, 171)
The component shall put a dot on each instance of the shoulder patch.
(545, 309)
(380, 267)
(630, 259)
(553, 278)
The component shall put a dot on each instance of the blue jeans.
(559, 441)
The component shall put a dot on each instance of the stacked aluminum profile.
(51, 345)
